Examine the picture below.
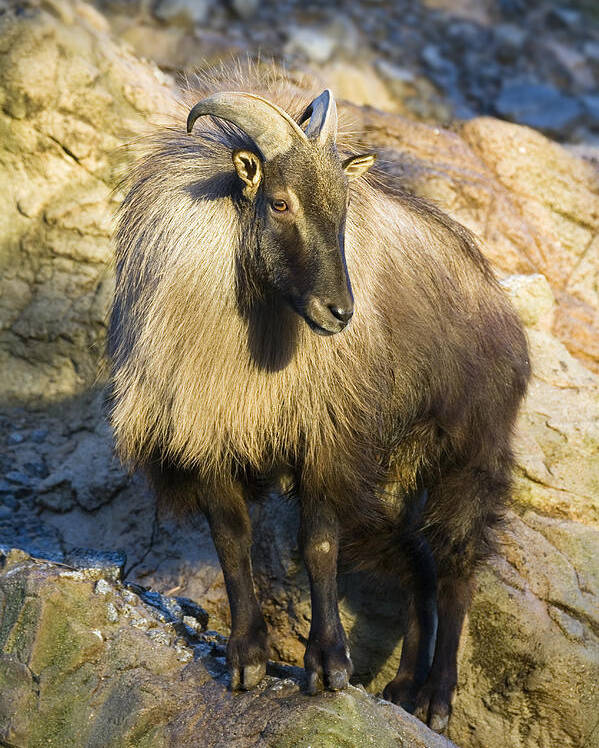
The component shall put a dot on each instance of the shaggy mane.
(198, 383)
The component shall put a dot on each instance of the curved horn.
(271, 129)
(323, 118)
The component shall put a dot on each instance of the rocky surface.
(70, 94)
(535, 63)
(86, 661)
(70, 97)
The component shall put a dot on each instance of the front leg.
(247, 649)
(327, 656)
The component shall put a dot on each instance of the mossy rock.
(85, 661)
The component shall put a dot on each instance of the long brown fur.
(186, 384)
(214, 381)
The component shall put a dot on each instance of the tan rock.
(558, 194)
(576, 323)
(533, 298)
(473, 10)
(174, 48)
(531, 642)
(558, 433)
(359, 84)
(70, 98)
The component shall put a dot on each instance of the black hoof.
(246, 678)
(246, 658)
(327, 666)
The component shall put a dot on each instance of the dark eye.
(279, 205)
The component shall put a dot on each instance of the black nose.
(343, 315)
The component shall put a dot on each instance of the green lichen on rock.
(71, 676)
(349, 719)
(532, 614)
(13, 602)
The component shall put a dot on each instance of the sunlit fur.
(427, 376)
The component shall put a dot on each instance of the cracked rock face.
(69, 99)
(529, 661)
(85, 661)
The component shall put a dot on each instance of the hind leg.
(427, 693)
(463, 509)
(421, 636)
(433, 702)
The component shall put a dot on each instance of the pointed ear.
(249, 169)
(355, 166)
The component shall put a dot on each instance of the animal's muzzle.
(327, 318)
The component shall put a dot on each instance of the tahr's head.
(298, 188)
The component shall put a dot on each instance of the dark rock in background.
(462, 53)
(540, 106)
